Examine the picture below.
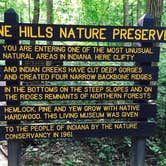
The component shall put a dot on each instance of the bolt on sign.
(126, 117)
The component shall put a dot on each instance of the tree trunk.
(29, 10)
(35, 20)
(36, 11)
(155, 8)
(138, 9)
(49, 21)
(125, 13)
(132, 15)
(49, 15)
(36, 15)
(125, 17)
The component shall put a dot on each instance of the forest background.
(103, 151)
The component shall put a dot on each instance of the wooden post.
(139, 143)
(11, 17)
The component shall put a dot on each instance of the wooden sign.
(62, 112)
(79, 130)
(33, 93)
(81, 33)
(78, 53)
(79, 73)
(128, 115)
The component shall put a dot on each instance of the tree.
(49, 15)
(35, 20)
(138, 9)
(36, 11)
(49, 5)
(36, 15)
(155, 8)
(29, 10)
(125, 16)
(125, 13)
